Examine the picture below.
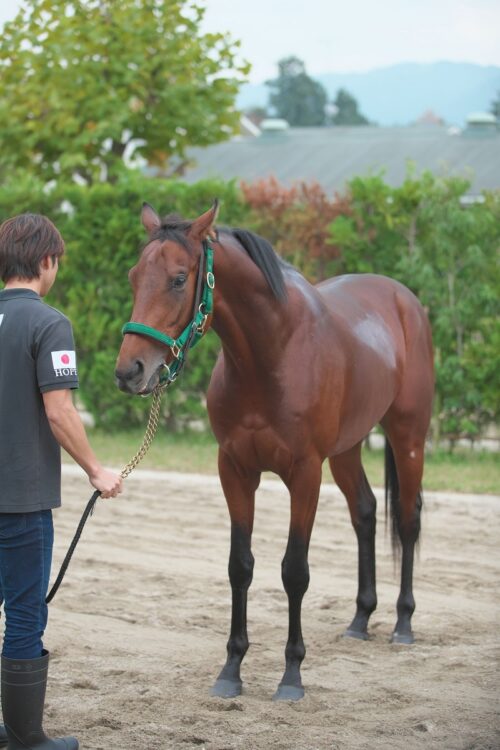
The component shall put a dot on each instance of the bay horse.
(304, 374)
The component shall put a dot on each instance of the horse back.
(357, 302)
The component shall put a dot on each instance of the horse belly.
(373, 378)
(364, 406)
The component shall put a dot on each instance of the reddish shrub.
(296, 220)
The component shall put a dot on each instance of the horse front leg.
(239, 489)
(304, 485)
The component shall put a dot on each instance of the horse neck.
(252, 324)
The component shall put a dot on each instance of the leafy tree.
(347, 112)
(82, 81)
(295, 96)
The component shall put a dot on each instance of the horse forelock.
(174, 228)
(174, 223)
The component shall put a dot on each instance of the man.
(37, 373)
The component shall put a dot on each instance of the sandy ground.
(138, 629)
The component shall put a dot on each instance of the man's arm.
(70, 433)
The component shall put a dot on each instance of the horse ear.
(203, 226)
(150, 219)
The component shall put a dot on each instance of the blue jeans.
(26, 541)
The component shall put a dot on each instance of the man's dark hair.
(24, 241)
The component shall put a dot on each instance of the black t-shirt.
(37, 354)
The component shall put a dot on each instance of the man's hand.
(107, 482)
(69, 432)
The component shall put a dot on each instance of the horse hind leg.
(350, 477)
(406, 424)
(404, 469)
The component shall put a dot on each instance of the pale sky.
(351, 35)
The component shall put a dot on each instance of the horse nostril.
(137, 369)
(134, 372)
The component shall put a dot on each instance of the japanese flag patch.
(64, 363)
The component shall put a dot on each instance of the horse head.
(165, 283)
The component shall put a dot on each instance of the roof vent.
(481, 124)
(274, 125)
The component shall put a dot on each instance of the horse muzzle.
(134, 380)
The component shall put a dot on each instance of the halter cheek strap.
(193, 332)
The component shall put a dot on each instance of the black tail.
(392, 495)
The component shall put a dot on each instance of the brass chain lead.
(151, 429)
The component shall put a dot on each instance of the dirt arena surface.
(138, 629)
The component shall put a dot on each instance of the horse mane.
(174, 227)
(265, 258)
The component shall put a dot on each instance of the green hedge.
(418, 233)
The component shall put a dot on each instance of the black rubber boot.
(23, 698)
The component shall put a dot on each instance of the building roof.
(482, 117)
(332, 156)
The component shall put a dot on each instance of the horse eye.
(179, 281)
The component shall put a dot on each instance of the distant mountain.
(399, 94)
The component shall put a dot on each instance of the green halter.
(193, 332)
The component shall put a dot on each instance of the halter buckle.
(167, 376)
(201, 327)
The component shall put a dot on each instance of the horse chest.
(254, 443)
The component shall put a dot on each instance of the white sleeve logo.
(64, 363)
(1, 318)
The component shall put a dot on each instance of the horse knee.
(366, 518)
(241, 566)
(295, 574)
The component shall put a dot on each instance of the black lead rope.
(69, 554)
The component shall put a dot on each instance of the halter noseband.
(193, 332)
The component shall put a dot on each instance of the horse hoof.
(356, 634)
(226, 689)
(403, 639)
(288, 693)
